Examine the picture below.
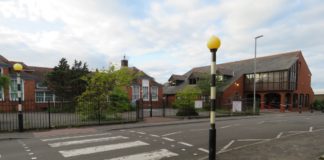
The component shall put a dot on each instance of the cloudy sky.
(160, 37)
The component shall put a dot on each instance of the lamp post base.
(212, 144)
(20, 122)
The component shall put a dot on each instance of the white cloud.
(170, 35)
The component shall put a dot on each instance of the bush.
(185, 101)
(318, 105)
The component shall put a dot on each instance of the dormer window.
(192, 81)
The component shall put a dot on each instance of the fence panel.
(62, 114)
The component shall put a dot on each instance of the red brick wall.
(304, 79)
(229, 93)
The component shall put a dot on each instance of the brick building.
(34, 93)
(283, 81)
(145, 87)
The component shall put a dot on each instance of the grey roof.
(236, 69)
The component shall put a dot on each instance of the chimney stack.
(124, 62)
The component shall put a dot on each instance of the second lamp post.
(213, 44)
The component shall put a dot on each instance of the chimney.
(124, 62)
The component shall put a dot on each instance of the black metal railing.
(63, 114)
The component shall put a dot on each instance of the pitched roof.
(143, 75)
(236, 69)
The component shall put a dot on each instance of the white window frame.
(136, 92)
(145, 90)
(155, 90)
(2, 98)
(44, 97)
(22, 86)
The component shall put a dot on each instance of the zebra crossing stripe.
(103, 148)
(155, 155)
(74, 137)
(60, 144)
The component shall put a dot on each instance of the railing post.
(99, 113)
(49, 114)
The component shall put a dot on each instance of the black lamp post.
(213, 44)
(18, 68)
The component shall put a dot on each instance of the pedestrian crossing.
(77, 146)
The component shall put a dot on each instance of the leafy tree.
(4, 81)
(108, 89)
(78, 84)
(66, 82)
(185, 101)
(204, 85)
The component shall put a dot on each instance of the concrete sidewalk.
(303, 146)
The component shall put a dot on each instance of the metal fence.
(69, 114)
(63, 114)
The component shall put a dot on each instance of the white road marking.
(307, 118)
(248, 140)
(279, 135)
(0, 155)
(68, 143)
(261, 122)
(204, 150)
(141, 132)
(131, 131)
(31, 153)
(311, 129)
(168, 139)
(74, 137)
(122, 130)
(34, 158)
(155, 155)
(168, 134)
(186, 144)
(28, 150)
(103, 148)
(227, 146)
(183, 149)
(297, 131)
(153, 135)
(226, 126)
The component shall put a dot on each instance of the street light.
(213, 44)
(254, 83)
(18, 68)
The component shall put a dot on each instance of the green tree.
(108, 89)
(66, 81)
(4, 81)
(59, 79)
(78, 84)
(204, 85)
(185, 101)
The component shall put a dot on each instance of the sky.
(160, 37)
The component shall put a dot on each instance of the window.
(154, 92)
(145, 93)
(39, 97)
(1, 88)
(43, 97)
(192, 81)
(301, 99)
(13, 90)
(135, 92)
(145, 89)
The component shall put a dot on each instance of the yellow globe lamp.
(17, 67)
(213, 42)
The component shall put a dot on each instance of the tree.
(66, 82)
(105, 93)
(59, 79)
(78, 84)
(4, 81)
(185, 101)
(204, 85)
